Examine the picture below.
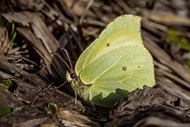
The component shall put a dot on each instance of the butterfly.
(114, 65)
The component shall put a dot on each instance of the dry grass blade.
(169, 19)
(165, 59)
(4, 43)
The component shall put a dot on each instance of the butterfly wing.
(116, 63)
(125, 69)
(123, 31)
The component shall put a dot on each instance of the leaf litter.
(44, 27)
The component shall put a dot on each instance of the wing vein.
(109, 67)
(115, 47)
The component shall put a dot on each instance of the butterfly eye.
(73, 76)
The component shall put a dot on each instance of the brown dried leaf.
(149, 102)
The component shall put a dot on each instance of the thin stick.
(86, 9)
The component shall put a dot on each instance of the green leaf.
(9, 85)
(52, 108)
(5, 111)
(174, 37)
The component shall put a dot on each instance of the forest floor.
(31, 74)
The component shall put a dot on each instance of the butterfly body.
(114, 65)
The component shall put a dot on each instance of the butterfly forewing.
(114, 34)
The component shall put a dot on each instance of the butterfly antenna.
(69, 67)
(67, 54)
(57, 87)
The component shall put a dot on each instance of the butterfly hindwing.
(124, 69)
